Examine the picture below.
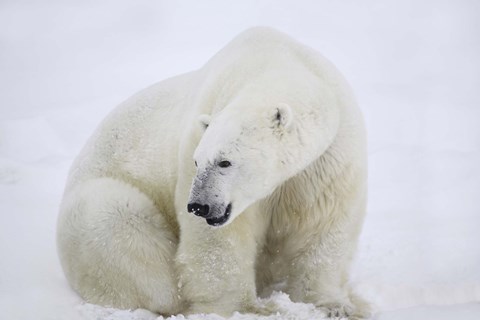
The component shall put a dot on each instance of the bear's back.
(138, 141)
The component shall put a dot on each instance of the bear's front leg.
(216, 266)
(319, 273)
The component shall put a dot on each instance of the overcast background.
(414, 66)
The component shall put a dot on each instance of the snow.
(414, 66)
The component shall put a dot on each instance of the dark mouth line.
(221, 220)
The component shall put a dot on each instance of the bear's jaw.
(218, 221)
(204, 211)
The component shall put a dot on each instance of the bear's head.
(245, 154)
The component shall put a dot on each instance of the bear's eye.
(224, 164)
(196, 164)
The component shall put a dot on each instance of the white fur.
(286, 121)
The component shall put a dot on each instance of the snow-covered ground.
(413, 64)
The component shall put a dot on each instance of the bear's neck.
(313, 193)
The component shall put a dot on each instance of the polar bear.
(211, 188)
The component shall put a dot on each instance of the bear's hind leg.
(319, 271)
(116, 248)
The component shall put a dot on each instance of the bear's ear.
(204, 120)
(283, 116)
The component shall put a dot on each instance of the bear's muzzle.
(203, 210)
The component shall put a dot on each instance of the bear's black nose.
(198, 209)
